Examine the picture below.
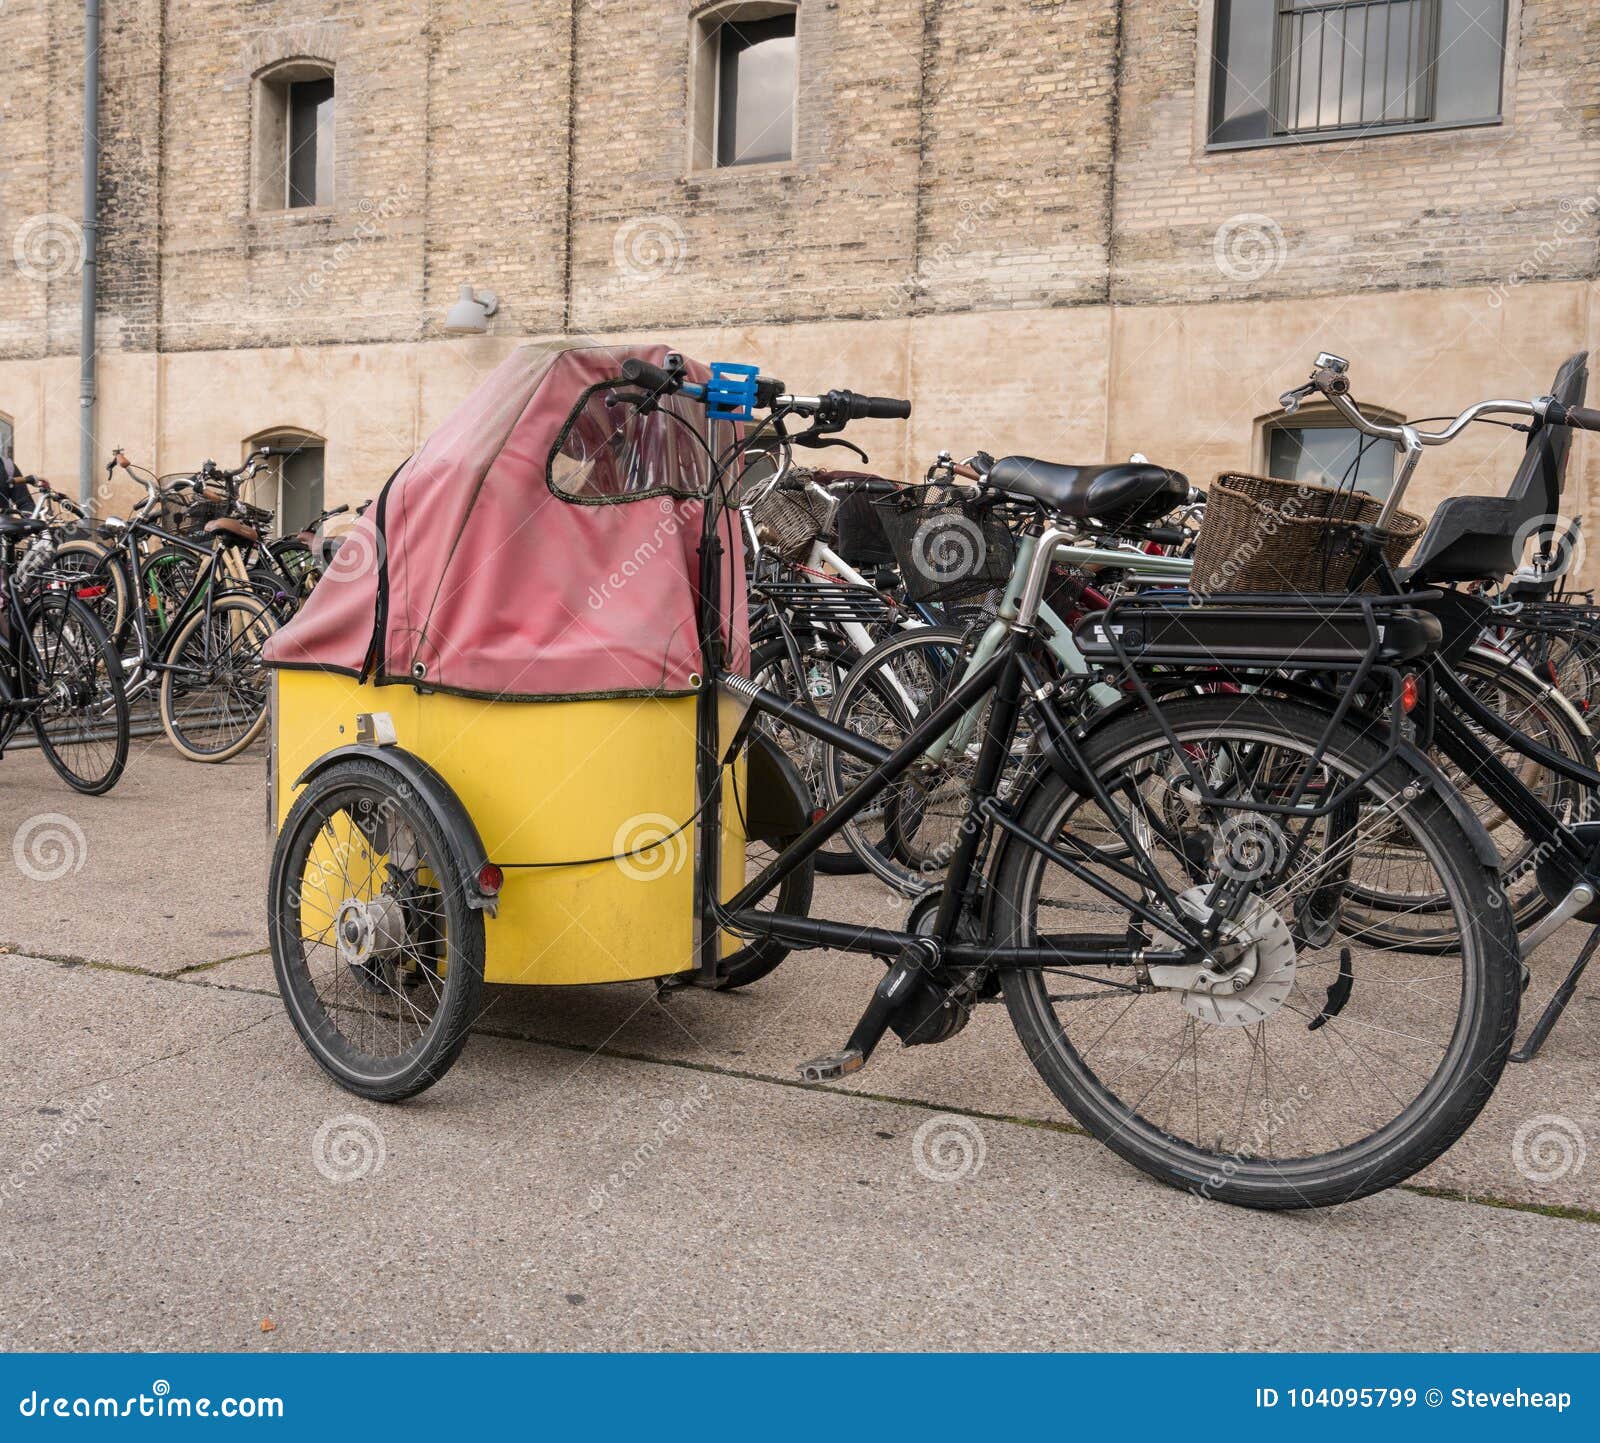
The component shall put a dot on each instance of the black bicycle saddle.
(1124, 492)
(15, 526)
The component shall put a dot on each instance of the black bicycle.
(197, 627)
(1161, 902)
(58, 669)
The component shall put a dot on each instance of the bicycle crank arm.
(888, 998)
(1564, 911)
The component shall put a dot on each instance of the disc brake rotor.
(1264, 977)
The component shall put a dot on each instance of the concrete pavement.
(605, 1169)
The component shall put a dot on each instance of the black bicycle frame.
(15, 635)
(1457, 741)
(212, 569)
(1015, 680)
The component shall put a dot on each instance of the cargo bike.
(516, 741)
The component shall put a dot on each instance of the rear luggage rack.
(826, 602)
(1260, 630)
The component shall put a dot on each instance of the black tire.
(276, 592)
(908, 836)
(417, 939)
(10, 717)
(1270, 1168)
(214, 704)
(1566, 656)
(82, 716)
(757, 958)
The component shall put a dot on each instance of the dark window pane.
(755, 90)
(1471, 55)
(1242, 88)
(1323, 456)
(311, 142)
(300, 497)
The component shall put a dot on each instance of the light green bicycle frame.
(1140, 565)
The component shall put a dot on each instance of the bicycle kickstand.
(1557, 1004)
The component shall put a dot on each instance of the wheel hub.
(1255, 987)
(365, 932)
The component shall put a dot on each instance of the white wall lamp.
(469, 316)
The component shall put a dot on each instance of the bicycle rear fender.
(466, 847)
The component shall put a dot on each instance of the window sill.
(1325, 137)
(294, 213)
(718, 173)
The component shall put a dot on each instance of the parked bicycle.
(195, 624)
(58, 670)
(1553, 870)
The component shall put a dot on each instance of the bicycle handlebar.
(652, 378)
(833, 409)
(848, 406)
(1331, 379)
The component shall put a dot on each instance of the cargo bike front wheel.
(378, 954)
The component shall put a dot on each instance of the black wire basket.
(198, 513)
(947, 547)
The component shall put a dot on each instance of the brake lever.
(816, 441)
(1290, 400)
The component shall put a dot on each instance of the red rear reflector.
(489, 879)
(88, 593)
(1409, 692)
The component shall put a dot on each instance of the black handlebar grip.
(1582, 418)
(877, 408)
(652, 378)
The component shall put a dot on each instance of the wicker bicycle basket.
(1264, 534)
(790, 517)
(947, 548)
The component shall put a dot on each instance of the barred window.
(1303, 69)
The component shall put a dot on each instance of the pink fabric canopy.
(518, 556)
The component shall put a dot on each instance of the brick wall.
(1428, 209)
(953, 156)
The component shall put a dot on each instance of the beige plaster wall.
(1187, 385)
